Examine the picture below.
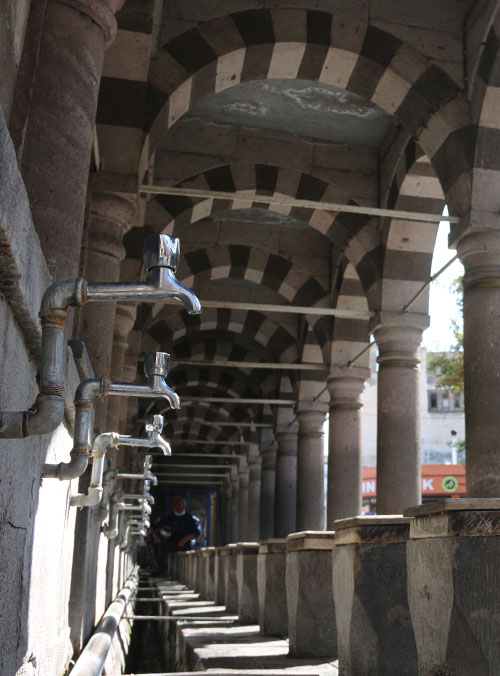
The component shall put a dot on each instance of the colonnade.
(54, 160)
(291, 476)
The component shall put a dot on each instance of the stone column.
(125, 315)
(243, 501)
(479, 251)
(268, 480)
(53, 118)
(344, 450)
(235, 504)
(254, 491)
(109, 219)
(130, 405)
(311, 467)
(227, 512)
(285, 499)
(398, 413)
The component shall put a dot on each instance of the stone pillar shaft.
(235, 507)
(254, 492)
(285, 499)
(345, 453)
(125, 315)
(398, 414)
(243, 506)
(311, 467)
(53, 119)
(226, 520)
(268, 480)
(109, 218)
(479, 251)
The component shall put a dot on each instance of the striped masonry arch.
(358, 57)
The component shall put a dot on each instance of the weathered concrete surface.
(375, 635)
(271, 585)
(453, 570)
(246, 580)
(311, 613)
(209, 645)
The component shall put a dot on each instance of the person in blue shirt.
(177, 531)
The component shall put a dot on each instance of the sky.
(442, 304)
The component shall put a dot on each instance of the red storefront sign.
(444, 481)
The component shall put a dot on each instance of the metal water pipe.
(116, 504)
(93, 656)
(161, 257)
(155, 368)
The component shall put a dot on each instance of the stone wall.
(37, 525)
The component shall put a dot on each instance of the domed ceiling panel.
(299, 107)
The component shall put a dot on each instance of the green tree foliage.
(448, 367)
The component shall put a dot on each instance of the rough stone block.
(311, 613)
(219, 575)
(197, 570)
(271, 585)
(375, 635)
(210, 571)
(453, 571)
(230, 585)
(246, 580)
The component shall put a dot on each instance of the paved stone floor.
(216, 642)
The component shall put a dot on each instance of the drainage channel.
(178, 632)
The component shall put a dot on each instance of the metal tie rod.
(293, 202)
(174, 618)
(409, 304)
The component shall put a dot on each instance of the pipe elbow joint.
(92, 498)
(66, 471)
(46, 415)
(60, 295)
(110, 533)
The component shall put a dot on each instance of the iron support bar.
(293, 202)
(428, 283)
(248, 364)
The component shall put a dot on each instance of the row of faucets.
(161, 258)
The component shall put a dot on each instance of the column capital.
(102, 12)
(111, 216)
(311, 416)
(254, 469)
(244, 476)
(287, 440)
(268, 456)
(235, 483)
(345, 385)
(479, 251)
(398, 336)
(228, 490)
